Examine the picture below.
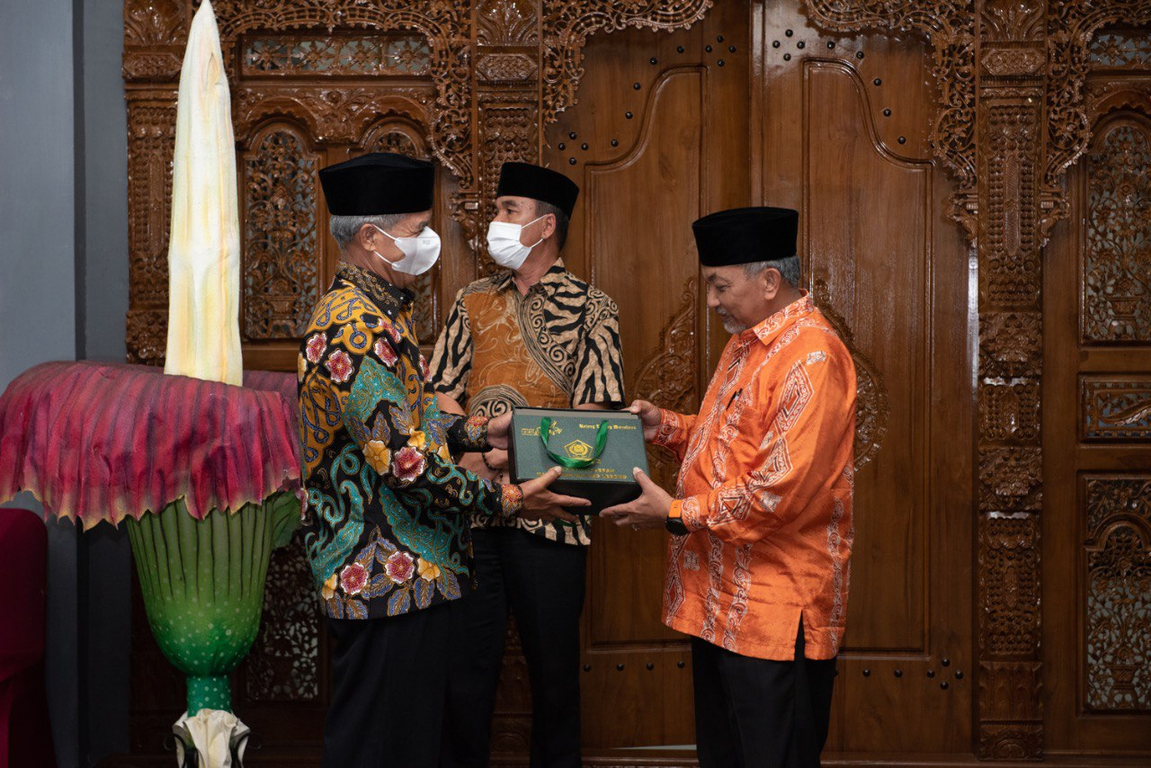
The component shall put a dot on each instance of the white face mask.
(504, 243)
(420, 252)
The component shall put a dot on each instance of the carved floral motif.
(1010, 344)
(1071, 26)
(444, 24)
(1012, 20)
(154, 22)
(1120, 49)
(871, 406)
(1117, 259)
(567, 26)
(1118, 593)
(1008, 588)
(311, 54)
(280, 284)
(284, 662)
(507, 22)
(667, 375)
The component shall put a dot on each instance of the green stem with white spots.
(203, 587)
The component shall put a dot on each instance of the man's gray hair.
(788, 269)
(345, 228)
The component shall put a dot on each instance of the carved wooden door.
(843, 132)
(754, 105)
(1097, 435)
(657, 138)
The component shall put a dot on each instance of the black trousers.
(752, 712)
(542, 584)
(389, 677)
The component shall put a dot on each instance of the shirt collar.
(554, 277)
(386, 296)
(770, 328)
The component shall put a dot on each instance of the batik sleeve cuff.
(512, 498)
(671, 431)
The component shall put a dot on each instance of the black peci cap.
(543, 184)
(378, 183)
(745, 235)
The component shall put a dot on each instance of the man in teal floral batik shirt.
(386, 524)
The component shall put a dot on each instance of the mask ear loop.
(533, 221)
(390, 263)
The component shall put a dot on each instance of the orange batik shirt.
(765, 492)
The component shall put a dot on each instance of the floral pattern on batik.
(387, 529)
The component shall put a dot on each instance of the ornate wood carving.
(1117, 260)
(1119, 49)
(1117, 613)
(1009, 442)
(667, 375)
(284, 664)
(567, 26)
(487, 87)
(405, 54)
(1071, 29)
(871, 408)
(950, 27)
(280, 283)
(507, 22)
(1029, 114)
(1114, 408)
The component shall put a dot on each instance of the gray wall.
(63, 296)
(37, 190)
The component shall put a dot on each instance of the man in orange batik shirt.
(762, 530)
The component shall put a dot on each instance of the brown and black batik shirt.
(556, 347)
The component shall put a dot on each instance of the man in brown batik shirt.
(536, 336)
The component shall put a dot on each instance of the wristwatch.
(674, 523)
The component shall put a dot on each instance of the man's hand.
(649, 510)
(498, 431)
(648, 416)
(542, 504)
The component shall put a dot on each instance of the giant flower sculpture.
(199, 462)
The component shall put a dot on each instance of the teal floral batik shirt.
(386, 517)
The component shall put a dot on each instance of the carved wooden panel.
(1115, 408)
(1117, 259)
(322, 55)
(285, 662)
(1119, 48)
(1117, 610)
(1095, 373)
(280, 281)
